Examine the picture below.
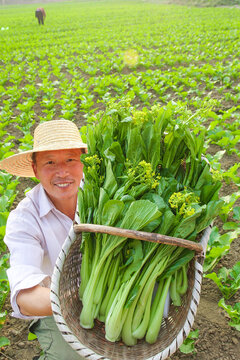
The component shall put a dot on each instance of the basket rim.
(82, 349)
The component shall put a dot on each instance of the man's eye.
(50, 162)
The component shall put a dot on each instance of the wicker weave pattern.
(91, 343)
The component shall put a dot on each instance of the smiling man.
(37, 228)
(60, 173)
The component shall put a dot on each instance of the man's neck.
(67, 206)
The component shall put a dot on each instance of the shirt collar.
(45, 204)
(40, 200)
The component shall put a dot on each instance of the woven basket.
(91, 343)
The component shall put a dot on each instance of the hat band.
(58, 145)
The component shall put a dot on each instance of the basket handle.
(139, 235)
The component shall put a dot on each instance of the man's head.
(60, 173)
(48, 136)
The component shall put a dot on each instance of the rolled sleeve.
(30, 281)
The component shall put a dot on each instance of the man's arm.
(35, 301)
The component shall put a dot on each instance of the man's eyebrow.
(73, 153)
(47, 156)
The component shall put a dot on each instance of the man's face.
(60, 173)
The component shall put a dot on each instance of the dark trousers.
(39, 16)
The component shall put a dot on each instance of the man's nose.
(62, 169)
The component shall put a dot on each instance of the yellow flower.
(217, 176)
(143, 173)
(189, 212)
(139, 117)
(182, 202)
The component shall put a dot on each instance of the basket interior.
(94, 338)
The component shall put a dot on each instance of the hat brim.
(21, 164)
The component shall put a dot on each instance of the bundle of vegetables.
(143, 171)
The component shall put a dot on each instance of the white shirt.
(35, 233)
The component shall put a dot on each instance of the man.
(40, 15)
(37, 228)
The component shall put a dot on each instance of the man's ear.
(34, 167)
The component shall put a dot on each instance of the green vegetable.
(218, 246)
(156, 319)
(188, 345)
(227, 280)
(233, 312)
(139, 214)
(143, 171)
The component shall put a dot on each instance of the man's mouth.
(63, 185)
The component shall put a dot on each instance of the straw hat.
(50, 135)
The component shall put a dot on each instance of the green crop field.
(90, 53)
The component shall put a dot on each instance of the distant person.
(40, 15)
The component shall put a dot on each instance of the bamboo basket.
(91, 343)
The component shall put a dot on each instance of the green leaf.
(110, 184)
(213, 256)
(230, 226)
(139, 214)
(194, 334)
(188, 345)
(4, 341)
(185, 257)
(209, 213)
(3, 218)
(132, 296)
(214, 236)
(5, 178)
(236, 213)
(4, 203)
(115, 153)
(187, 225)
(229, 202)
(31, 336)
(111, 212)
(233, 312)
(3, 275)
(136, 147)
(134, 248)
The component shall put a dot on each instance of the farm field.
(91, 52)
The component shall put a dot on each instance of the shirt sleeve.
(26, 245)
